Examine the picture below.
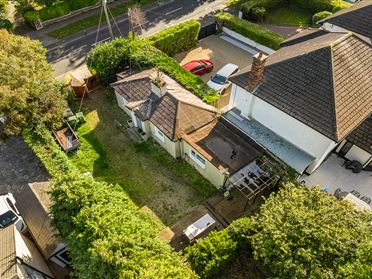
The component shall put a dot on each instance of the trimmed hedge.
(321, 15)
(251, 30)
(212, 254)
(177, 38)
(109, 58)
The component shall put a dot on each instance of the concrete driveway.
(219, 52)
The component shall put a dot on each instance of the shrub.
(177, 38)
(106, 234)
(321, 5)
(253, 31)
(212, 254)
(6, 24)
(248, 7)
(321, 15)
(30, 17)
(258, 13)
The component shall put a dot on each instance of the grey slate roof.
(362, 135)
(357, 18)
(323, 81)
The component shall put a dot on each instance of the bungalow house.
(164, 112)
(20, 258)
(33, 204)
(188, 128)
(311, 97)
(357, 19)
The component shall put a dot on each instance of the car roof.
(192, 64)
(227, 70)
(4, 207)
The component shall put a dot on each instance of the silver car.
(219, 81)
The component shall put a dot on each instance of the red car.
(199, 67)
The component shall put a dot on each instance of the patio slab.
(332, 175)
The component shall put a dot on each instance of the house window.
(197, 158)
(159, 134)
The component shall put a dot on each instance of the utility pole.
(104, 4)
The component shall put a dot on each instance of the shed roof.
(8, 266)
(322, 79)
(34, 204)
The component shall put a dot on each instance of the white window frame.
(160, 135)
(197, 158)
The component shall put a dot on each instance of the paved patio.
(332, 175)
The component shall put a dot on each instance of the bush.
(30, 17)
(248, 7)
(316, 6)
(253, 31)
(258, 13)
(106, 234)
(321, 15)
(212, 254)
(177, 38)
(6, 24)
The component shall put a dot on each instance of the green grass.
(93, 20)
(289, 15)
(170, 188)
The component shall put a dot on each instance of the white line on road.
(104, 40)
(176, 10)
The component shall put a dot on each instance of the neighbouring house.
(34, 203)
(20, 258)
(163, 113)
(357, 19)
(311, 97)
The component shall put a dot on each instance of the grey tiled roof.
(362, 135)
(357, 19)
(177, 112)
(324, 82)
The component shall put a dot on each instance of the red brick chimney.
(257, 69)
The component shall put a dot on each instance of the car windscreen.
(7, 218)
(202, 63)
(219, 79)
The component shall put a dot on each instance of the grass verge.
(93, 20)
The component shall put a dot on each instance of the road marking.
(108, 38)
(176, 10)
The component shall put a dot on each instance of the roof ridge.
(197, 106)
(343, 38)
(334, 103)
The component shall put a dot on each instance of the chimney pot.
(257, 70)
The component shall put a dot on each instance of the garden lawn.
(169, 188)
(93, 20)
(289, 15)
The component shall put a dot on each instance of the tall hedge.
(251, 30)
(177, 38)
(106, 234)
(108, 58)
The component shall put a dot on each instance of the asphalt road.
(69, 53)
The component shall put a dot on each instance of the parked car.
(219, 81)
(199, 67)
(9, 213)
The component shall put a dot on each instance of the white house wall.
(210, 172)
(122, 102)
(172, 147)
(294, 131)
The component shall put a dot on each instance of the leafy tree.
(303, 233)
(107, 236)
(3, 8)
(212, 254)
(29, 94)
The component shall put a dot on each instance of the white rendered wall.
(294, 131)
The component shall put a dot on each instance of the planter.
(144, 136)
(130, 123)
